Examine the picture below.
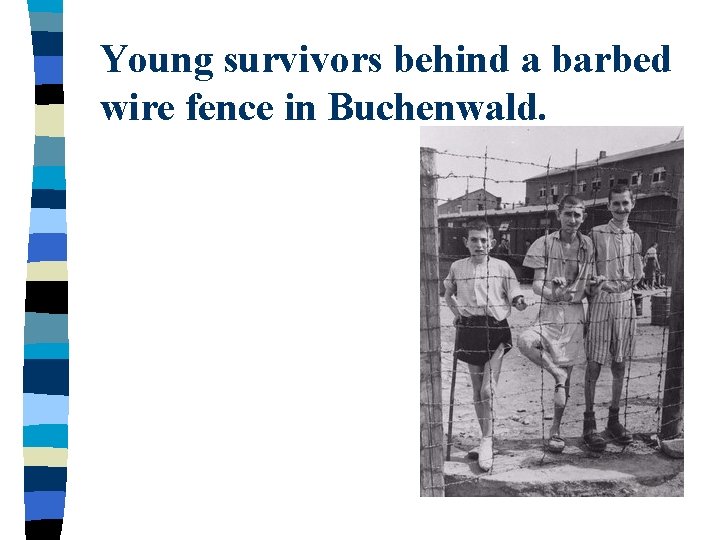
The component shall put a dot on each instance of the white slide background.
(244, 296)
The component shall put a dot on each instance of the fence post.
(431, 428)
(672, 407)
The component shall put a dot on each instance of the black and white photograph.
(551, 316)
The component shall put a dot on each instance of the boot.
(592, 438)
(618, 433)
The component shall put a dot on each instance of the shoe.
(594, 441)
(615, 430)
(485, 454)
(618, 434)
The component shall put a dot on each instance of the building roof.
(542, 207)
(468, 196)
(667, 147)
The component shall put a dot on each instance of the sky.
(528, 144)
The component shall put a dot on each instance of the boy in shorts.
(564, 268)
(480, 291)
(612, 314)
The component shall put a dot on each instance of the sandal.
(556, 444)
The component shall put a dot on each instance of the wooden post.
(432, 482)
(672, 407)
(573, 181)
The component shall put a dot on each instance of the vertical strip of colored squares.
(45, 370)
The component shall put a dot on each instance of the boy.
(612, 313)
(563, 264)
(480, 291)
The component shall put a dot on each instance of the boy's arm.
(450, 290)
(512, 289)
(537, 259)
(451, 303)
(541, 288)
(594, 283)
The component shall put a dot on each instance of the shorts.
(611, 328)
(478, 337)
(559, 330)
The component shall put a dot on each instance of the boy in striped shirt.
(612, 318)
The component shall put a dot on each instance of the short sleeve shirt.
(617, 256)
(483, 288)
(547, 253)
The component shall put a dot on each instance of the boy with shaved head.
(612, 326)
(564, 275)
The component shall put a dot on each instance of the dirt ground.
(523, 401)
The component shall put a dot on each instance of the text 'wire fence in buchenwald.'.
(651, 406)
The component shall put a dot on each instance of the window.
(450, 224)
(658, 175)
(596, 184)
(582, 187)
(623, 182)
(636, 179)
(458, 208)
(504, 226)
(612, 181)
(542, 191)
(553, 189)
(566, 189)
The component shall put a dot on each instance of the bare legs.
(592, 372)
(530, 345)
(482, 390)
(559, 408)
(618, 373)
(615, 429)
(484, 382)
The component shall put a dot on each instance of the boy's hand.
(563, 295)
(596, 283)
(559, 290)
(519, 303)
(457, 319)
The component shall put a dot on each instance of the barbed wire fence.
(660, 359)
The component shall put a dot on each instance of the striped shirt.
(618, 256)
(483, 289)
(612, 318)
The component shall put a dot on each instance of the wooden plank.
(431, 428)
(672, 408)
